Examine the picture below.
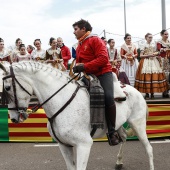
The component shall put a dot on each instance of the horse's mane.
(36, 66)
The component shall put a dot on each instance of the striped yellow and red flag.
(34, 129)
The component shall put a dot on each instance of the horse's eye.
(7, 88)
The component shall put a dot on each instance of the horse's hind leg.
(68, 155)
(139, 126)
(119, 162)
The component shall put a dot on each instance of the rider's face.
(79, 32)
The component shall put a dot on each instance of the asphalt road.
(40, 156)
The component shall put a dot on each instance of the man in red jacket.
(92, 57)
(65, 52)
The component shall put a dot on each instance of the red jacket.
(66, 55)
(93, 53)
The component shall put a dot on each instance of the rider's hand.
(79, 68)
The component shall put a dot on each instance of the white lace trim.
(151, 66)
(38, 53)
(129, 48)
(53, 52)
(146, 45)
(165, 44)
(4, 53)
(22, 57)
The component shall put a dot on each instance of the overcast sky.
(31, 19)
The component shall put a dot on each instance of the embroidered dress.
(165, 57)
(5, 55)
(149, 76)
(20, 57)
(38, 54)
(54, 56)
(129, 63)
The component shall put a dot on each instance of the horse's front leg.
(68, 156)
(83, 152)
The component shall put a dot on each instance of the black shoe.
(152, 96)
(165, 95)
(113, 138)
(147, 96)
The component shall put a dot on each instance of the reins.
(35, 108)
(21, 109)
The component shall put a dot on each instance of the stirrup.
(113, 138)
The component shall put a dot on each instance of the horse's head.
(16, 93)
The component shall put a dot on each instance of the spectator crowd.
(147, 68)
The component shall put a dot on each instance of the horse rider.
(92, 58)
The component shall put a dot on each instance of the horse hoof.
(118, 166)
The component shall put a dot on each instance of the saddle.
(97, 100)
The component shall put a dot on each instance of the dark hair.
(1, 40)
(126, 35)
(51, 40)
(109, 41)
(162, 32)
(21, 45)
(147, 35)
(36, 40)
(83, 23)
(18, 39)
(31, 47)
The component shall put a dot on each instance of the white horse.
(72, 125)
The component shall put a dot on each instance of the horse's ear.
(3, 68)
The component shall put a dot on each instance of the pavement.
(47, 156)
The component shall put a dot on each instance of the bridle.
(14, 79)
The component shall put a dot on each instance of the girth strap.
(59, 111)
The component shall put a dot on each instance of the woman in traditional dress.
(163, 46)
(38, 53)
(115, 60)
(149, 76)
(16, 51)
(129, 59)
(4, 53)
(53, 55)
(22, 55)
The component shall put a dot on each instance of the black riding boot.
(113, 136)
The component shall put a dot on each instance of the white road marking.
(46, 145)
(165, 141)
